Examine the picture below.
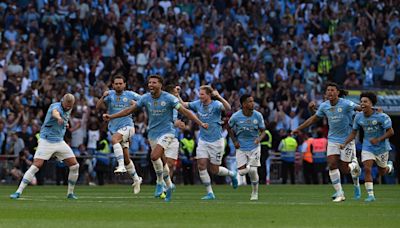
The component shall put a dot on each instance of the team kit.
(246, 128)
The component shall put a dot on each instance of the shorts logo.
(163, 103)
(339, 109)
(125, 99)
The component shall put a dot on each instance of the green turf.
(278, 206)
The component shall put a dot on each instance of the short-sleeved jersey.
(247, 128)
(51, 130)
(374, 126)
(210, 114)
(116, 103)
(339, 117)
(161, 113)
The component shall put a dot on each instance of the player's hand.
(295, 132)
(215, 93)
(106, 93)
(237, 144)
(204, 125)
(374, 141)
(60, 121)
(67, 125)
(257, 141)
(106, 117)
(180, 124)
(312, 105)
(342, 146)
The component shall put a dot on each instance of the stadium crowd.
(282, 52)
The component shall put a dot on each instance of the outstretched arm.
(121, 113)
(184, 111)
(306, 123)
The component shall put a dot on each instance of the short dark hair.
(243, 98)
(170, 88)
(118, 76)
(333, 84)
(160, 79)
(371, 96)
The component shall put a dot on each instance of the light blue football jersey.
(339, 117)
(247, 128)
(374, 126)
(161, 113)
(116, 103)
(210, 114)
(50, 129)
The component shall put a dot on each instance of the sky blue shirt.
(339, 119)
(210, 114)
(374, 126)
(247, 128)
(51, 130)
(116, 103)
(161, 113)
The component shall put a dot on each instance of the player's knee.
(154, 156)
(74, 167)
(214, 169)
(253, 170)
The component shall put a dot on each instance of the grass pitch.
(278, 206)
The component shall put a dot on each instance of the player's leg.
(158, 166)
(73, 165)
(205, 177)
(28, 177)
(116, 140)
(349, 164)
(65, 154)
(368, 159)
(216, 150)
(130, 168)
(171, 155)
(333, 158)
(254, 163)
(43, 153)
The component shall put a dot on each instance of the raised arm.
(100, 103)
(184, 111)
(225, 103)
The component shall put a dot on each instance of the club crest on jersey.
(125, 99)
(255, 122)
(374, 122)
(339, 109)
(162, 103)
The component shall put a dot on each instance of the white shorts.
(46, 150)
(211, 150)
(346, 154)
(126, 132)
(380, 159)
(251, 157)
(169, 143)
